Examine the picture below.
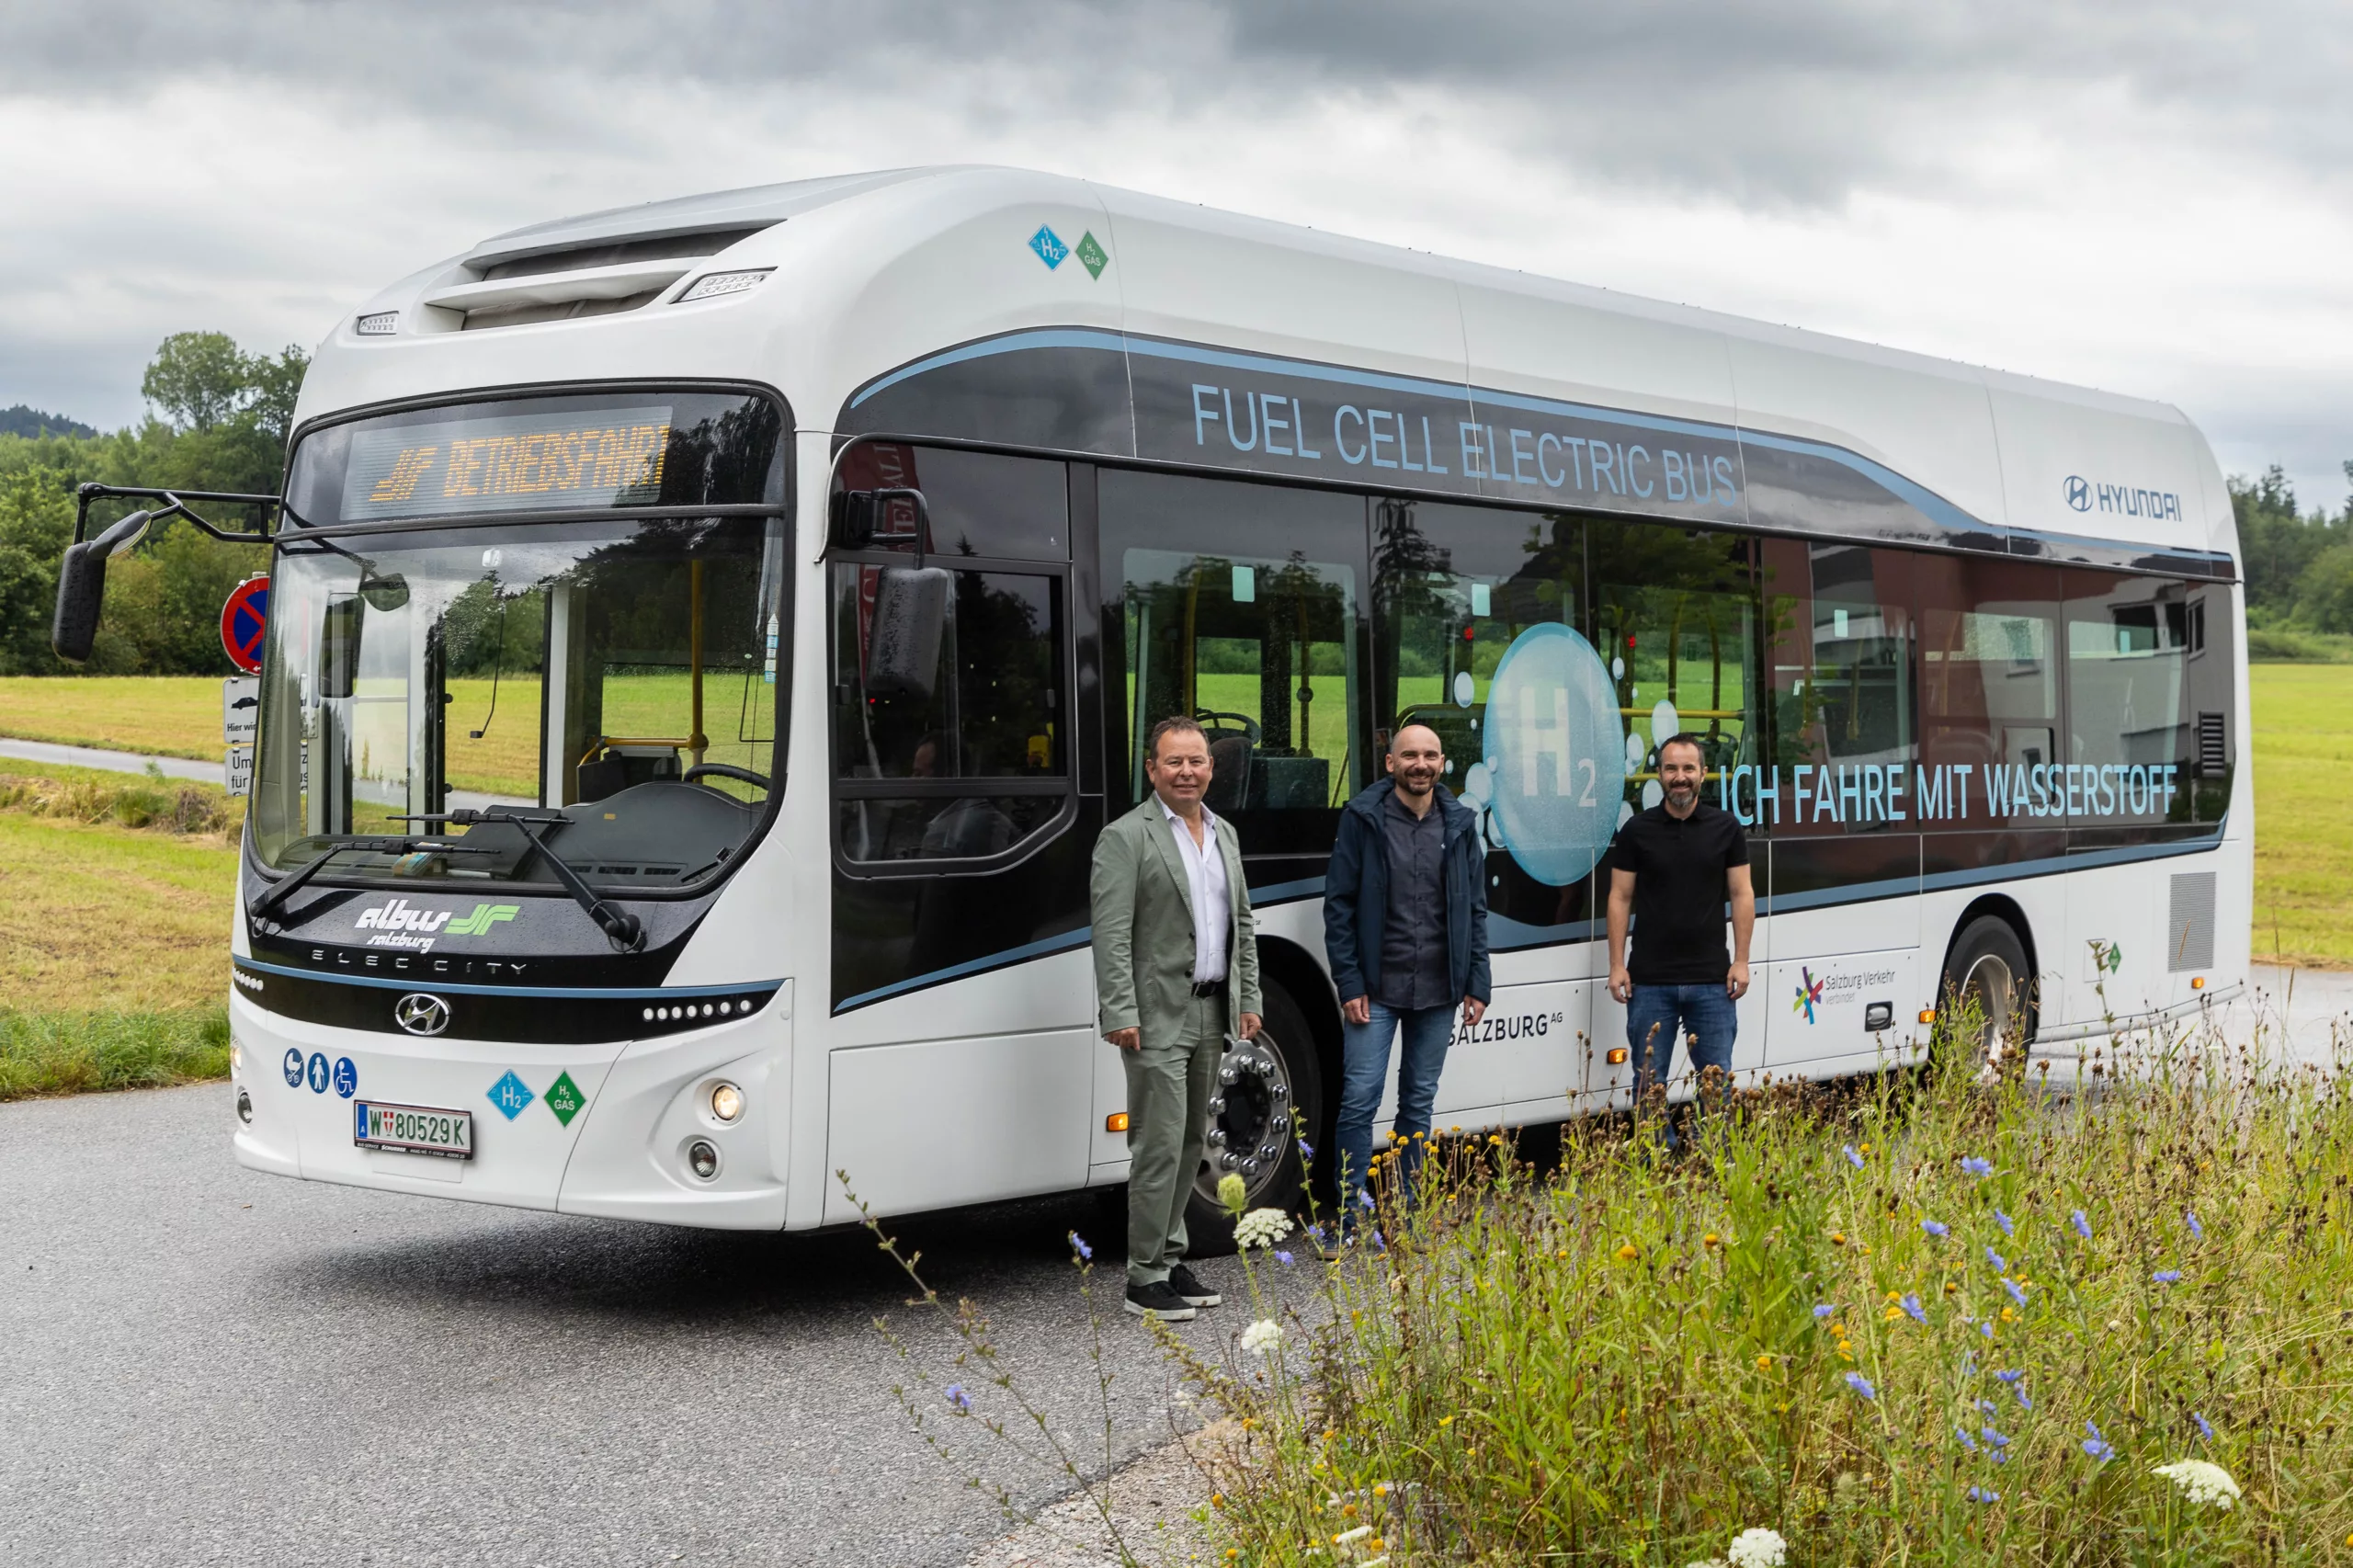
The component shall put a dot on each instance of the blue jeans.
(1364, 1068)
(1659, 1013)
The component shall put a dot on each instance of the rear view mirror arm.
(176, 504)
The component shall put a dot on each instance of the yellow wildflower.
(1626, 1253)
(1765, 1363)
(1347, 1510)
(1837, 1238)
(1709, 1240)
(1446, 1420)
(2010, 1314)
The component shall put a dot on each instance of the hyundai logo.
(420, 1014)
(2079, 492)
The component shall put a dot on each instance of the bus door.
(960, 1070)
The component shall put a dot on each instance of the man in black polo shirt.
(1672, 868)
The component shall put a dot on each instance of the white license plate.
(413, 1128)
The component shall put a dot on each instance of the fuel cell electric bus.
(706, 637)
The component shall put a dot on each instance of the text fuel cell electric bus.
(706, 639)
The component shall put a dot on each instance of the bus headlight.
(726, 1101)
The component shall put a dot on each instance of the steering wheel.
(725, 770)
(1210, 716)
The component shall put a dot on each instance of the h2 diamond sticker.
(1092, 255)
(1048, 246)
(565, 1098)
(510, 1094)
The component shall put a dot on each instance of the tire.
(1987, 965)
(1261, 1082)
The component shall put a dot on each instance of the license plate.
(413, 1128)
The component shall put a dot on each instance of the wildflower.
(2197, 1231)
(1853, 1158)
(2204, 1430)
(1934, 1229)
(1986, 1407)
(1966, 1441)
(2017, 1294)
(2204, 1484)
(1347, 1536)
(1757, 1549)
(1711, 1239)
(1261, 1228)
(2165, 1276)
(1867, 1148)
(1984, 1494)
(2008, 1375)
(959, 1399)
(1824, 1311)
(1994, 1437)
(2008, 1227)
(1306, 1150)
(1861, 1385)
(1232, 1194)
(1837, 1238)
(2100, 1447)
(1078, 1245)
(1378, 1243)
(1284, 1258)
(1626, 1253)
(1976, 1166)
(1262, 1337)
(1986, 1329)
(2082, 1226)
(2010, 1314)
(2001, 1265)
(1364, 1197)
(1911, 1304)
(1764, 1363)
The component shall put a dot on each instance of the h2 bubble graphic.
(1553, 776)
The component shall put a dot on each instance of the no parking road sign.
(243, 620)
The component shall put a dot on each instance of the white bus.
(707, 637)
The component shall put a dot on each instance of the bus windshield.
(620, 674)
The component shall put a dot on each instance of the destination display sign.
(521, 463)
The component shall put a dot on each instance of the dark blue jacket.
(1356, 897)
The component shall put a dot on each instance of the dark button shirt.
(1679, 893)
(1413, 928)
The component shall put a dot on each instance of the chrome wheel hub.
(1250, 1117)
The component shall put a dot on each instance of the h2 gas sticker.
(1553, 776)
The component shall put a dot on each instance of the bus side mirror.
(911, 606)
(82, 586)
(862, 518)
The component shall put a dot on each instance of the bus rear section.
(507, 931)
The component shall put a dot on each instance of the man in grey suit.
(1176, 971)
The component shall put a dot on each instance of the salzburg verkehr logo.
(1809, 995)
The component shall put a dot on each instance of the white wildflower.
(1261, 1228)
(1759, 1549)
(1262, 1337)
(1706, 1562)
(1347, 1538)
(2208, 1485)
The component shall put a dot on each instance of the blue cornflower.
(1306, 1150)
(2019, 1389)
(1364, 1199)
(1824, 1311)
(2009, 1374)
(1853, 1158)
(2100, 1447)
(2001, 1265)
(2196, 1230)
(1379, 1245)
(2009, 1227)
(1976, 1166)
(2165, 1276)
(1986, 1329)
(1984, 1494)
(1934, 1229)
(2204, 1430)
(1911, 1305)
(1966, 1441)
(1078, 1245)
(1316, 1231)
(1283, 1259)
(2015, 1294)
(1861, 1385)
(1984, 1407)
(1996, 1438)
(2082, 1226)
(959, 1398)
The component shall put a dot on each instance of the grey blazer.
(1143, 928)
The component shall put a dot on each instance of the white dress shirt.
(1213, 905)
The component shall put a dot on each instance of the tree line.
(218, 420)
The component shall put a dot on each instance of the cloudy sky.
(2154, 197)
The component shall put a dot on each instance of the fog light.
(702, 1158)
(726, 1101)
(1116, 1123)
(245, 1107)
(1618, 1056)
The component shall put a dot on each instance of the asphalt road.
(203, 1365)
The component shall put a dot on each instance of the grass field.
(2303, 844)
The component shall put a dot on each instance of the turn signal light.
(1618, 1056)
(1116, 1123)
(1928, 1015)
(2197, 982)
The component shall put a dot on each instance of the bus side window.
(2131, 738)
(1839, 643)
(1989, 690)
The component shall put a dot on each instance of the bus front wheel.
(1267, 1088)
(1987, 993)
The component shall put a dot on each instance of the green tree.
(199, 379)
(2325, 595)
(36, 521)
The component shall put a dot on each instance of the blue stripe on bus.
(591, 992)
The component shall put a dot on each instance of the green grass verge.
(1924, 1322)
(69, 1053)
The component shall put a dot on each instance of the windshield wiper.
(292, 883)
(621, 928)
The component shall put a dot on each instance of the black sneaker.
(1195, 1293)
(1158, 1300)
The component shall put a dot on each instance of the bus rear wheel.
(1261, 1084)
(1987, 993)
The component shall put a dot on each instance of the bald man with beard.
(1405, 930)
